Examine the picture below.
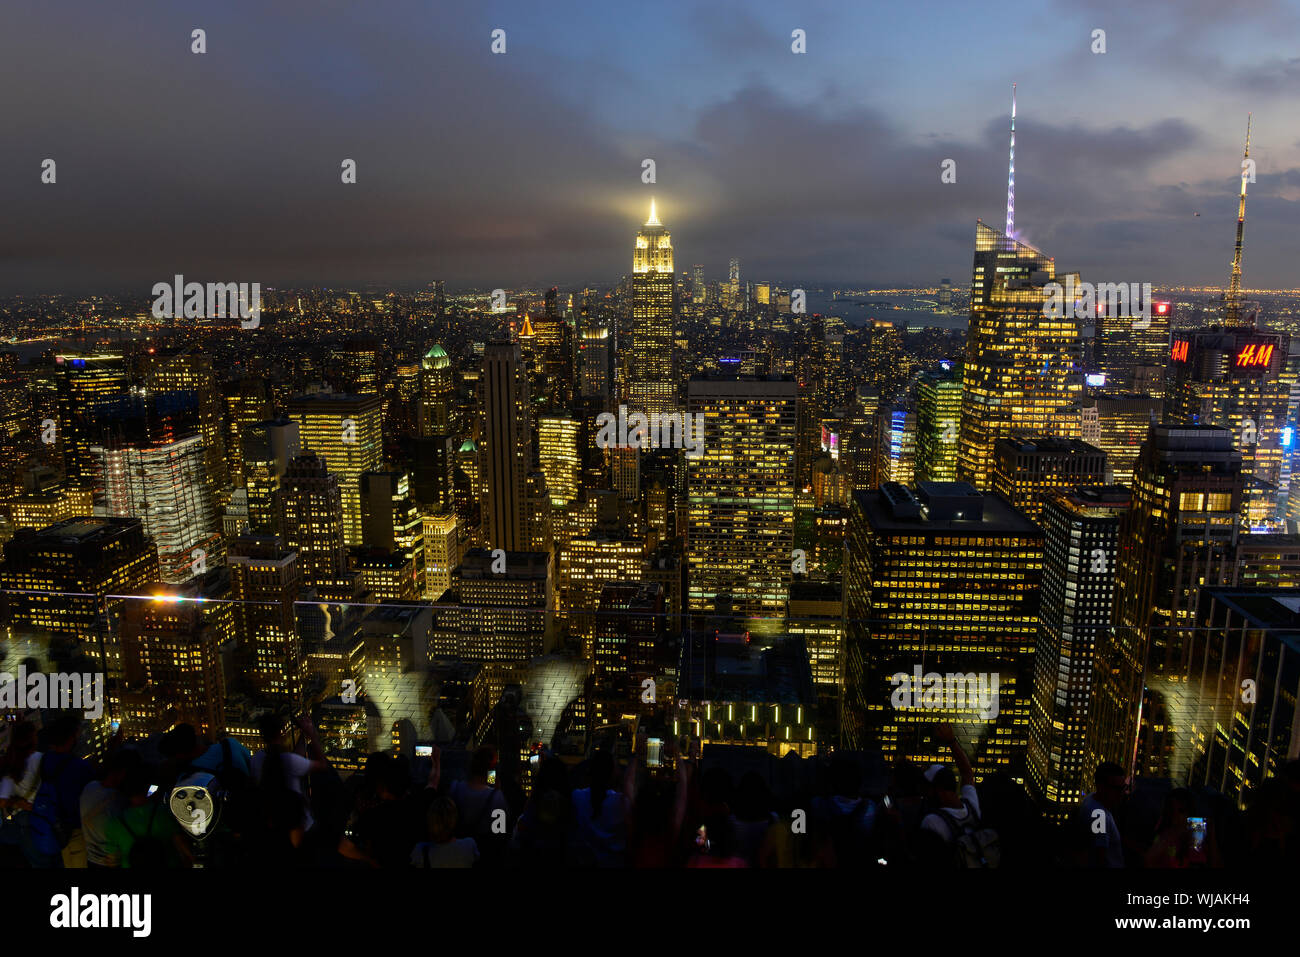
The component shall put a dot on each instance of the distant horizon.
(826, 161)
(455, 288)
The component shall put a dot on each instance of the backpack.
(48, 831)
(147, 852)
(854, 844)
(973, 846)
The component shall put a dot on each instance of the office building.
(938, 412)
(506, 447)
(944, 581)
(267, 449)
(1179, 536)
(1022, 367)
(740, 495)
(265, 581)
(1026, 470)
(172, 673)
(1081, 527)
(314, 527)
(559, 453)
(347, 432)
(1118, 423)
(166, 486)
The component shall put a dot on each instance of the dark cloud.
(1278, 75)
(499, 170)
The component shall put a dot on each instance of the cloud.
(496, 170)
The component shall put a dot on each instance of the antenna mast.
(1234, 288)
(1011, 170)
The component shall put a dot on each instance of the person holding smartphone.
(1183, 838)
(283, 774)
(478, 802)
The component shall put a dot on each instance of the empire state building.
(651, 384)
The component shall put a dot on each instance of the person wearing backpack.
(144, 836)
(57, 814)
(846, 819)
(956, 818)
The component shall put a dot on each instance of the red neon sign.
(1255, 354)
(1180, 350)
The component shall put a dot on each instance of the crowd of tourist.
(286, 806)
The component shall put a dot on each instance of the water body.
(101, 342)
(901, 310)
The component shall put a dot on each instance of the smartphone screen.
(424, 750)
(152, 789)
(653, 747)
(1196, 825)
(492, 777)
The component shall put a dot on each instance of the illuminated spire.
(1011, 170)
(653, 220)
(1234, 287)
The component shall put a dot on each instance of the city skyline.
(541, 442)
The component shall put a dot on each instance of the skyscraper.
(347, 432)
(503, 615)
(895, 459)
(1022, 367)
(1079, 562)
(1131, 349)
(166, 486)
(90, 389)
(441, 552)
(506, 448)
(60, 580)
(246, 403)
(268, 447)
(585, 565)
(1238, 737)
(629, 630)
(740, 495)
(555, 357)
(313, 527)
(938, 411)
(1118, 423)
(436, 390)
(264, 582)
(172, 666)
(357, 366)
(652, 385)
(392, 532)
(1179, 536)
(1234, 378)
(946, 582)
(593, 352)
(190, 371)
(560, 455)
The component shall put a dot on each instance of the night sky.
(526, 167)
